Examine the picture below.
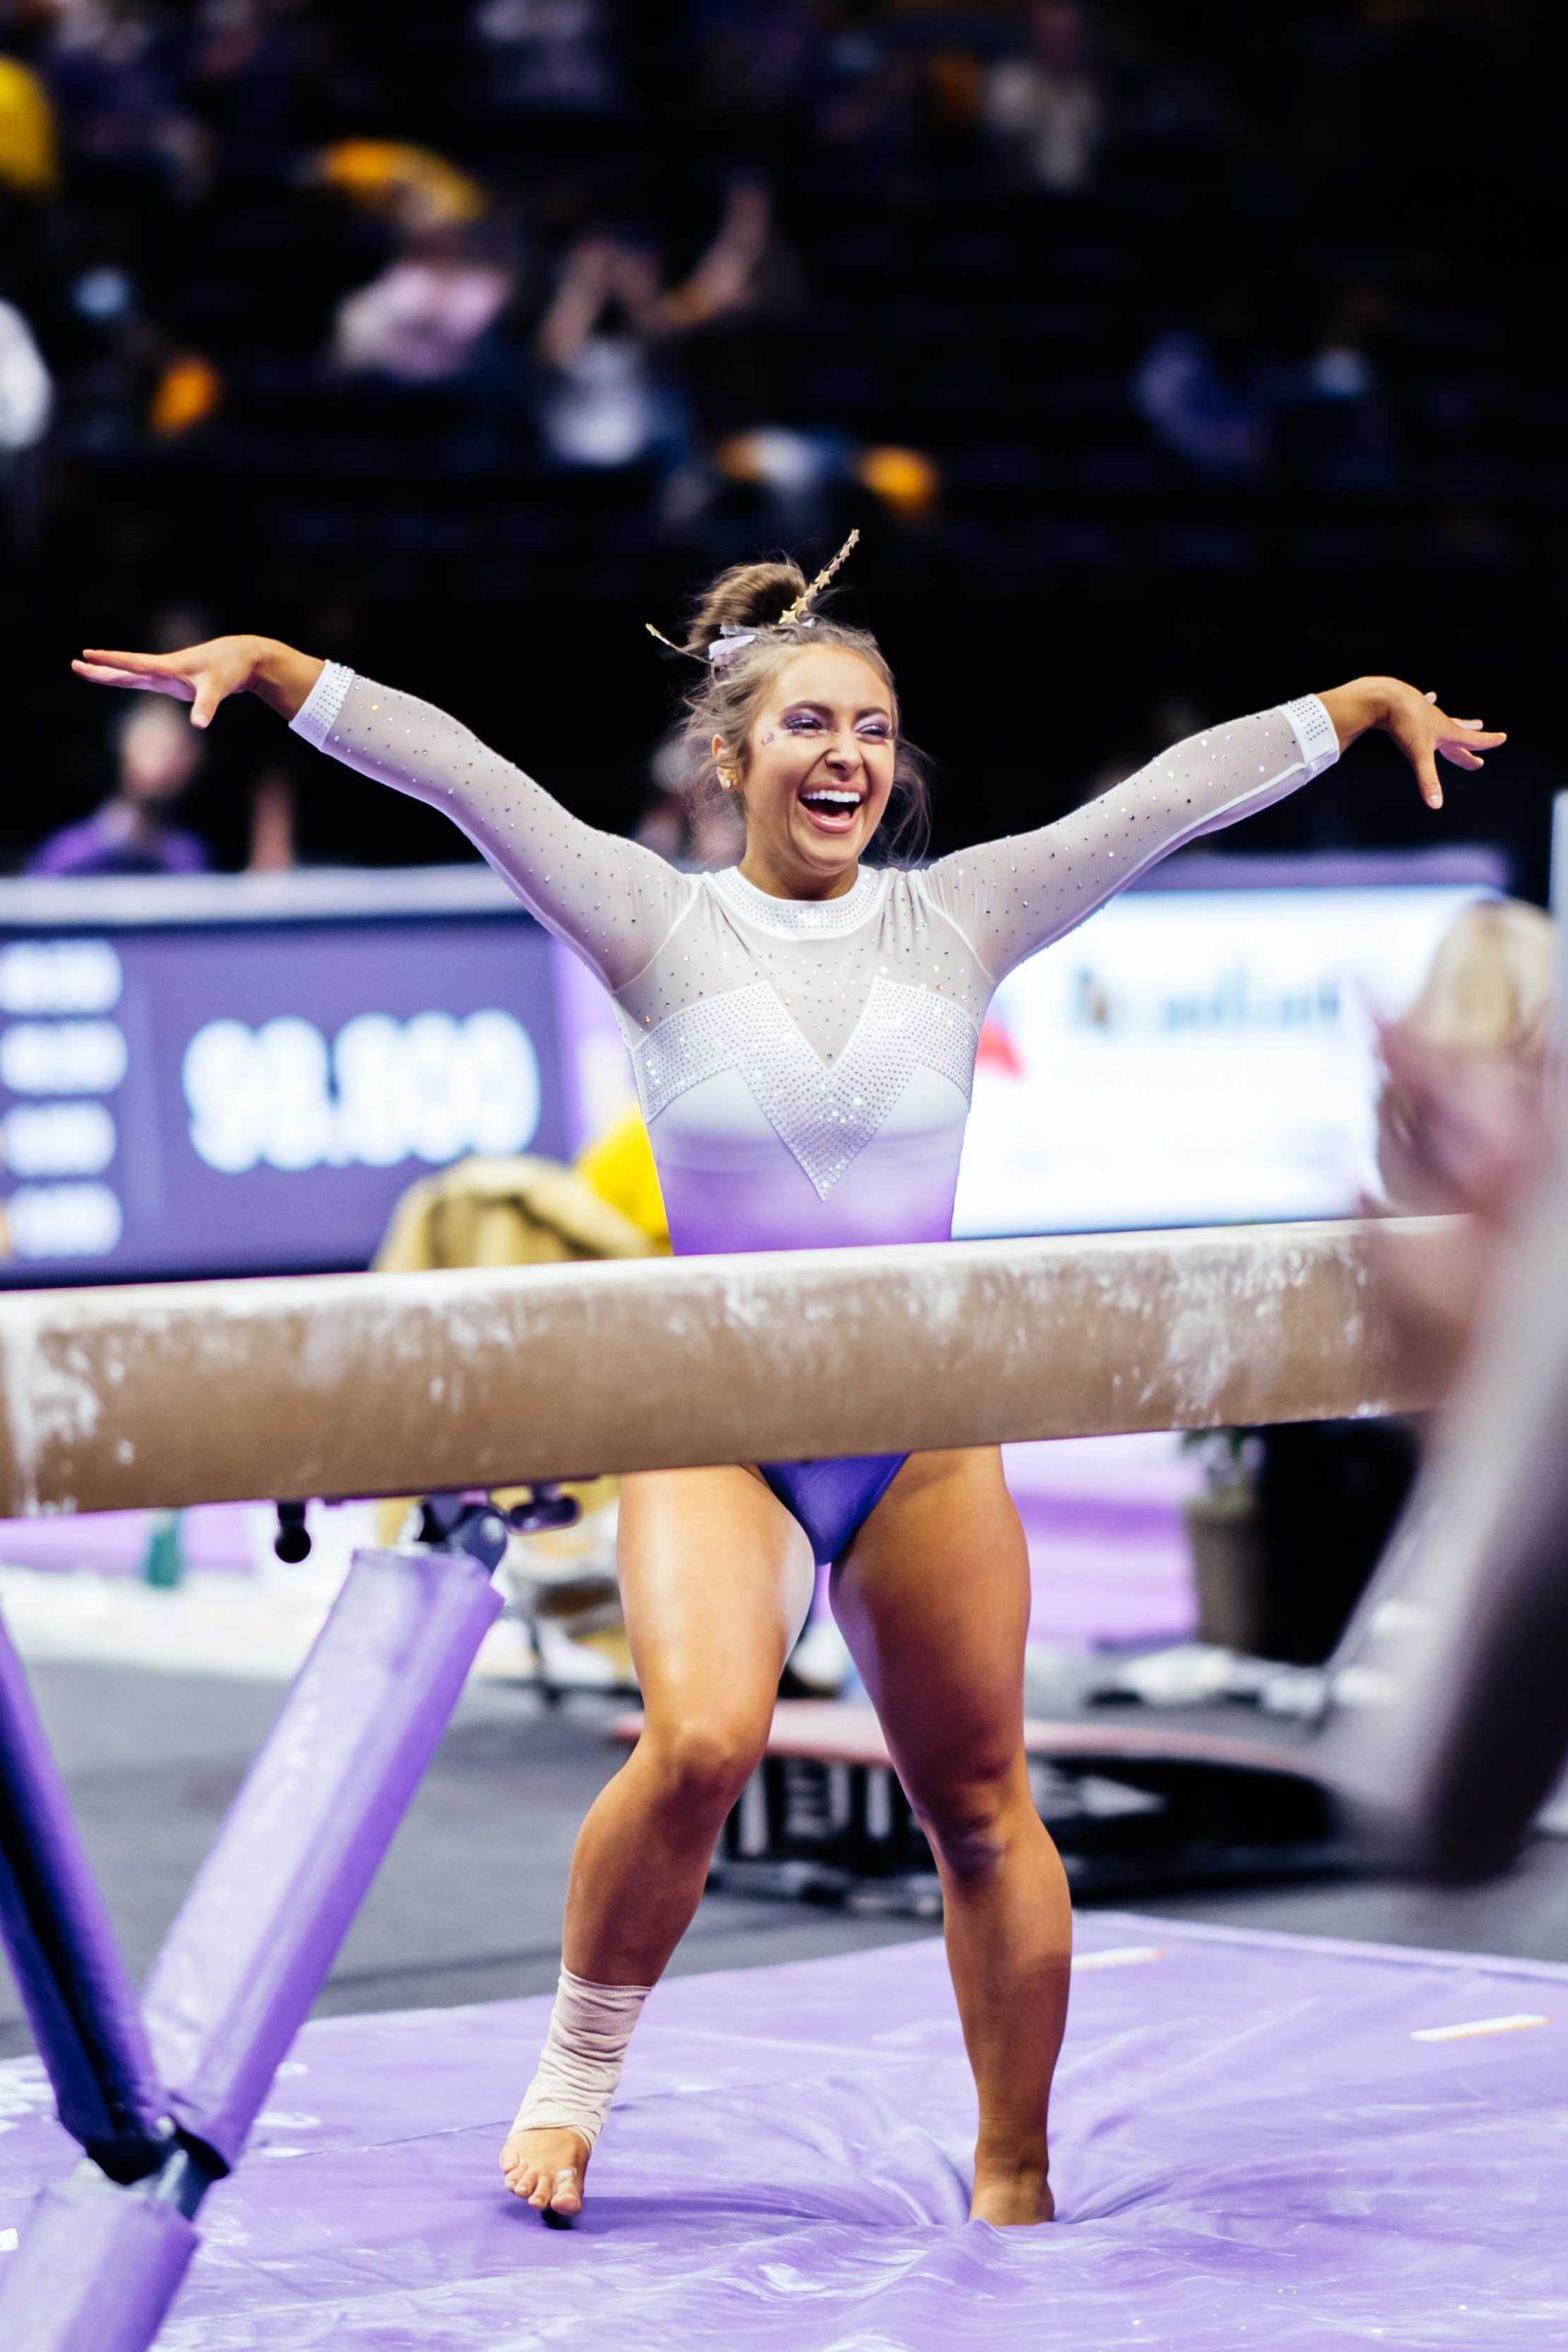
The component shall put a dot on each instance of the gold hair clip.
(732, 638)
(791, 612)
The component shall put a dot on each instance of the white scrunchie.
(733, 640)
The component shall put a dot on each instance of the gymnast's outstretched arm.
(614, 900)
(1010, 897)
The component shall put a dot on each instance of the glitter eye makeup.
(876, 727)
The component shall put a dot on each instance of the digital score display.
(205, 1078)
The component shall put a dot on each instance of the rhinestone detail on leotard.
(825, 1115)
(317, 715)
(799, 917)
(1314, 731)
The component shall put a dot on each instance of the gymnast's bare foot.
(547, 2169)
(1010, 2191)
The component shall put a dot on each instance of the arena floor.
(468, 1905)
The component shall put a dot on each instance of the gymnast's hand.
(205, 675)
(1422, 731)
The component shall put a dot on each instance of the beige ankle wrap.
(584, 2053)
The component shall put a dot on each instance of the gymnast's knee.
(971, 1823)
(701, 1762)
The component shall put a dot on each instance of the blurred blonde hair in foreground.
(1483, 1026)
(1493, 983)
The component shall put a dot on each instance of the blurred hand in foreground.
(1460, 1132)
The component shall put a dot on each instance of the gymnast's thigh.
(933, 1597)
(717, 1578)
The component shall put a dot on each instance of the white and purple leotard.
(805, 1068)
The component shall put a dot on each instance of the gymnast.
(802, 1029)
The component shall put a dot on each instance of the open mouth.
(831, 810)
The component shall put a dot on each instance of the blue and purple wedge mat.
(1258, 2140)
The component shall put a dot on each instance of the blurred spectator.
(804, 474)
(425, 318)
(1334, 413)
(116, 71)
(248, 75)
(549, 56)
(1206, 395)
(1462, 1126)
(26, 393)
(271, 847)
(618, 1165)
(1466, 1116)
(607, 402)
(1046, 108)
(613, 397)
(28, 159)
(27, 399)
(394, 180)
(1486, 1011)
(690, 827)
(158, 753)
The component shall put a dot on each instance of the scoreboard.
(205, 1075)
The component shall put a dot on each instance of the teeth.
(833, 799)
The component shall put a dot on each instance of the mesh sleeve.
(1010, 897)
(612, 901)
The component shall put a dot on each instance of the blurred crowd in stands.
(1192, 355)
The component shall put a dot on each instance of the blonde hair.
(1492, 982)
(725, 697)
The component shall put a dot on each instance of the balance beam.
(361, 1384)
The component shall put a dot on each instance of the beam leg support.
(263, 1922)
(100, 2261)
(80, 2001)
(96, 2268)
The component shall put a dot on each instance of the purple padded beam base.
(254, 1939)
(275, 1898)
(72, 1979)
(96, 2270)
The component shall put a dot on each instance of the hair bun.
(748, 596)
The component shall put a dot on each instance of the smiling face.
(814, 773)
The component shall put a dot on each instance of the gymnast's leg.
(933, 1599)
(716, 1578)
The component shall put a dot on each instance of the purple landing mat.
(1254, 2146)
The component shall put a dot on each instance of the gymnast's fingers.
(1462, 750)
(149, 662)
(1459, 738)
(102, 674)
